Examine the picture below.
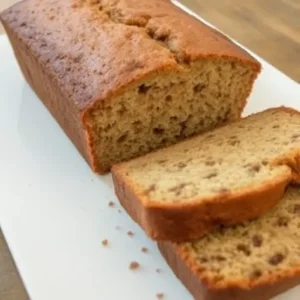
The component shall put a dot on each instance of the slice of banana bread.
(256, 260)
(234, 173)
(125, 77)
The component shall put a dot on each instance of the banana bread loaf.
(231, 174)
(255, 260)
(125, 77)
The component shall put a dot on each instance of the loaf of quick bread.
(125, 77)
(225, 176)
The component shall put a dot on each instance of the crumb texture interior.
(163, 110)
(251, 251)
(160, 110)
(243, 154)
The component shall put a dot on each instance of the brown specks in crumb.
(158, 271)
(276, 259)
(199, 87)
(150, 189)
(111, 204)
(158, 130)
(245, 233)
(244, 248)
(105, 243)
(233, 142)
(282, 221)
(297, 209)
(178, 188)
(181, 165)
(130, 233)
(257, 240)
(160, 296)
(145, 250)
(210, 162)
(122, 138)
(203, 259)
(255, 274)
(211, 175)
(219, 258)
(169, 98)
(276, 126)
(134, 266)
(254, 168)
(143, 89)
(161, 161)
(295, 136)
(265, 162)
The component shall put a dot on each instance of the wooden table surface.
(270, 28)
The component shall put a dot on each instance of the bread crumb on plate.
(145, 250)
(134, 265)
(105, 242)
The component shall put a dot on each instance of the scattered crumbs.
(134, 265)
(160, 296)
(92, 179)
(119, 211)
(130, 233)
(158, 270)
(111, 204)
(145, 250)
(105, 242)
(118, 227)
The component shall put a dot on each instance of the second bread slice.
(234, 173)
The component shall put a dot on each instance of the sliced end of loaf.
(168, 107)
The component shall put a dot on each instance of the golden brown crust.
(89, 51)
(190, 221)
(186, 270)
(46, 88)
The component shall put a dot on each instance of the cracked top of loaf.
(95, 48)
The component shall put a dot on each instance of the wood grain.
(11, 286)
(270, 28)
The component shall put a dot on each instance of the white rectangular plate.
(54, 211)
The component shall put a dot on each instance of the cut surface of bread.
(125, 77)
(254, 260)
(225, 176)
